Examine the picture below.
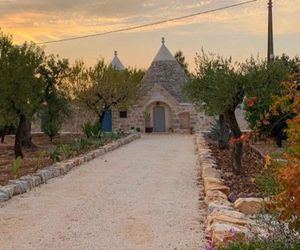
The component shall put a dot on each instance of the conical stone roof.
(116, 63)
(167, 72)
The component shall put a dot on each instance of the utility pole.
(270, 32)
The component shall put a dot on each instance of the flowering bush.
(273, 235)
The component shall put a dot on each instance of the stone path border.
(224, 219)
(26, 183)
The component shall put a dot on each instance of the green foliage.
(102, 88)
(21, 85)
(257, 244)
(266, 82)
(216, 135)
(92, 130)
(79, 146)
(217, 85)
(180, 58)
(39, 161)
(50, 128)
(267, 181)
(15, 167)
(55, 108)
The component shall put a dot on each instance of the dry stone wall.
(224, 218)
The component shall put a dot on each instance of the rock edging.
(224, 219)
(26, 183)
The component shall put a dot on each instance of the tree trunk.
(2, 138)
(224, 133)
(26, 132)
(237, 150)
(19, 136)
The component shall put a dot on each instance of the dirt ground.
(242, 185)
(34, 157)
(141, 196)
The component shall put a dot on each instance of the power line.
(149, 24)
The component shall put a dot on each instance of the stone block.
(216, 197)
(215, 184)
(8, 189)
(226, 216)
(87, 158)
(54, 171)
(20, 186)
(249, 205)
(44, 174)
(100, 152)
(211, 207)
(210, 172)
(226, 231)
(69, 164)
(4, 196)
(30, 180)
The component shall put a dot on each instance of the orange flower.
(251, 101)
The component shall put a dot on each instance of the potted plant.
(147, 117)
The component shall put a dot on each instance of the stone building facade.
(163, 100)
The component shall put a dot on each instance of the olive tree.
(21, 86)
(218, 88)
(101, 87)
(55, 107)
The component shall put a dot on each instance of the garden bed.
(37, 157)
(243, 185)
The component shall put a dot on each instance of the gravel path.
(141, 196)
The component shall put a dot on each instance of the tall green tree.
(260, 97)
(103, 88)
(55, 107)
(218, 88)
(21, 86)
(180, 58)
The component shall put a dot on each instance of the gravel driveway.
(141, 196)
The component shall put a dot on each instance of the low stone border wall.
(224, 219)
(26, 183)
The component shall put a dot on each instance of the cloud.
(41, 20)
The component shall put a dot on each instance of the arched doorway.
(159, 119)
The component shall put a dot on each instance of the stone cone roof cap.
(116, 63)
(167, 72)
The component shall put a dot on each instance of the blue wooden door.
(159, 119)
(107, 122)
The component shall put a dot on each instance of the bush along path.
(26, 183)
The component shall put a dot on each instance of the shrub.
(272, 235)
(15, 167)
(267, 180)
(51, 128)
(78, 146)
(92, 130)
(217, 135)
(287, 202)
(40, 156)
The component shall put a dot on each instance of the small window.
(123, 114)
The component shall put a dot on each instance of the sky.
(239, 32)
